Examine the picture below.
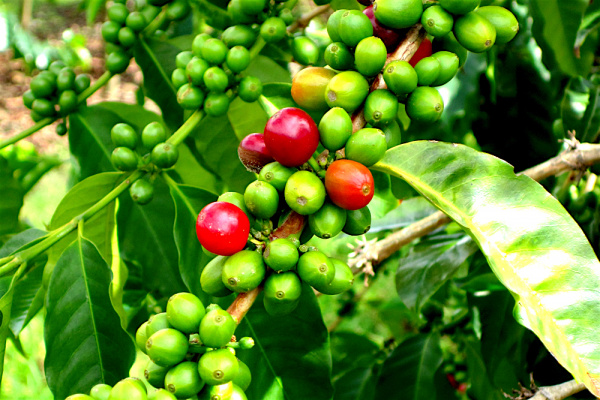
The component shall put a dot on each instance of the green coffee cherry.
(347, 90)
(448, 67)
(136, 21)
(304, 50)
(370, 56)
(81, 83)
(261, 199)
(100, 391)
(211, 280)
(335, 128)
(183, 380)
(234, 9)
(150, 12)
(449, 43)
(252, 7)
(153, 134)
(79, 396)
(243, 271)
(333, 25)
(141, 337)
(354, 26)
(110, 31)
(428, 70)
(62, 129)
(459, 6)
(198, 43)
(287, 16)
(161, 394)
(437, 21)
(393, 134)
(117, 62)
(67, 102)
(504, 22)
(177, 10)
(216, 79)
(165, 155)
(127, 37)
(338, 56)
(273, 30)
(367, 146)
(124, 159)
(278, 309)
(216, 104)
(315, 268)
(195, 71)
(281, 255)
(42, 87)
(474, 32)
(237, 199)
(56, 66)
(184, 312)
(358, 222)
(218, 367)
(276, 174)
(65, 79)
(156, 323)
(155, 374)
(217, 392)
(250, 89)
(342, 281)
(243, 377)
(238, 59)
(28, 98)
(304, 193)
(425, 104)
(117, 13)
(128, 388)
(167, 347)
(124, 135)
(141, 191)
(43, 107)
(398, 14)
(214, 51)
(283, 288)
(328, 221)
(237, 35)
(183, 58)
(381, 107)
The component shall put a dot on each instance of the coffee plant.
(321, 209)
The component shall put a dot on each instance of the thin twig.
(558, 392)
(305, 19)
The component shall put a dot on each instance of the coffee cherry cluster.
(54, 93)
(148, 151)
(205, 75)
(191, 352)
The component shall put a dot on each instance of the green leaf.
(189, 171)
(429, 265)
(411, 367)
(189, 201)
(157, 60)
(99, 228)
(146, 237)
(6, 302)
(89, 133)
(12, 200)
(591, 22)
(555, 26)
(213, 15)
(384, 200)
(481, 386)
(291, 358)
(268, 71)
(531, 243)
(92, 7)
(84, 340)
(246, 118)
(410, 211)
(217, 144)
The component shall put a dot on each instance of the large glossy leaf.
(291, 359)
(408, 212)
(89, 133)
(429, 265)
(555, 27)
(591, 22)
(481, 385)
(12, 199)
(98, 228)
(411, 367)
(84, 340)
(531, 243)
(146, 237)
(189, 171)
(157, 60)
(189, 201)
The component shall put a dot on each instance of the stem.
(316, 167)
(187, 128)
(156, 23)
(257, 47)
(242, 303)
(305, 19)
(559, 392)
(267, 106)
(47, 121)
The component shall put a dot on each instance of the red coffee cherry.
(349, 184)
(291, 137)
(424, 50)
(253, 152)
(222, 228)
(390, 37)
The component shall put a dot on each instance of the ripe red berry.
(222, 228)
(253, 152)
(390, 37)
(424, 50)
(349, 184)
(291, 137)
